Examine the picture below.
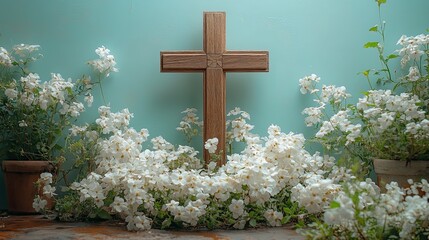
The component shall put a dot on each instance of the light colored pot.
(398, 171)
(20, 178)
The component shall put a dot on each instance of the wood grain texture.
(214, 38)
(245, 61)
(214, 61)
(214, 109)
(183, 61)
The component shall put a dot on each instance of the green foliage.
(371, 45)
(69, 208)
(34, 114)
(381, 2)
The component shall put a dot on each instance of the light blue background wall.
(303, 37)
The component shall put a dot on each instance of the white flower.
(76, 130)
(274, 218)
(342, 214)
(237, 208)
(274, 131)
(75, 109)
(314, 114)
(325, 129)
(119, 205)
(106, 63)
(30, 82)
(413, 74)
(11, 93)
(24, 49)
(336, 94)
(46, 177)
(39, 204)
(307, 83)
(159, 143)
(411, 47)
(211, 145)
(138, 222)
(49, 191)
(5, 58)
(89, 99)
(211, 166)
(239, 224)
(22, 123)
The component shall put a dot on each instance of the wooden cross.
(214, 61)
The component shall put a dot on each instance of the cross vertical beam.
(214, 61)
(214, 82)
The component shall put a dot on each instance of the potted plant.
(390, 123)
(33, 117)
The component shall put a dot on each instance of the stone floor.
(36, 227)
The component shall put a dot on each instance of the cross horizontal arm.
(245, 61)
(183, 61)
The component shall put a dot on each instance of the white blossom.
(39, 204)
(211, 145)
(307, 83)
(106, 63)
(5, 58)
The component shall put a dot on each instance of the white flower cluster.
(55, 94)
(238, 129)
(24, 51)
(334, 96)
(381, 109)
(308, 83)
(360, 208)
(5, 58)
(31, 93)
(190, 124)
(106, 63)
(412, 47)
(48, 191)
(140, 177)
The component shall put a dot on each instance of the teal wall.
(303, 37)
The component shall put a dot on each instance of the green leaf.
(286, 219)
(374, 29)
(335, 204)
(371, 45)
(252, 222)
(166, 223)
(355, 198)
(287, 210)
(381, 2)
(103, 214)
(392, 56)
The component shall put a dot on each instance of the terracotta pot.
(397, 171)
(20, 178)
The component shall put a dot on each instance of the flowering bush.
(384, 123)
(272, 181)
(360, 211)
(34, 113)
